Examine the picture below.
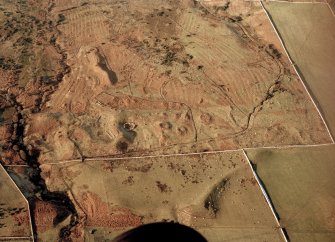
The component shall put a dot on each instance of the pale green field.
(300, 183)
(308, 32)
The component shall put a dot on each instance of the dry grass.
(301, 186)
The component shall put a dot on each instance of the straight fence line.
(281, 1)
(15, 165)
(283, 45)
(6, 238)
(331, 10)
(315, 2)
(113, 158)
(266, 196)
(26, 200)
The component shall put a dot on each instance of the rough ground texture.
(88, 79)
(153, 79)
(14, 215)
(214, 193)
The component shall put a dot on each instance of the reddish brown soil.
(100, 214)
(188, 77)
(44, 214)
(21, 218)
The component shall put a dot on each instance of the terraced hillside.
(118, 113)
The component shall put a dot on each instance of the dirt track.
(152, 79)
(312, 54)
(156, 69)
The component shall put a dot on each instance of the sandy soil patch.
(214, 193)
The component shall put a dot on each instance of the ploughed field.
(158, 77)
(99, 99)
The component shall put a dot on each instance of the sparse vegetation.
(137, 97)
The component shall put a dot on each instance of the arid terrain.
(189, 189)
(119, 113)
(14, 214)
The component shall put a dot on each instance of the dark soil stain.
(212, 202)
(163, 187)
(102, 63)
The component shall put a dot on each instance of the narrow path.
(13, 238)
(295, 69)
(162, 93)
(113, 157)
(310, 2)
(253, 44)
